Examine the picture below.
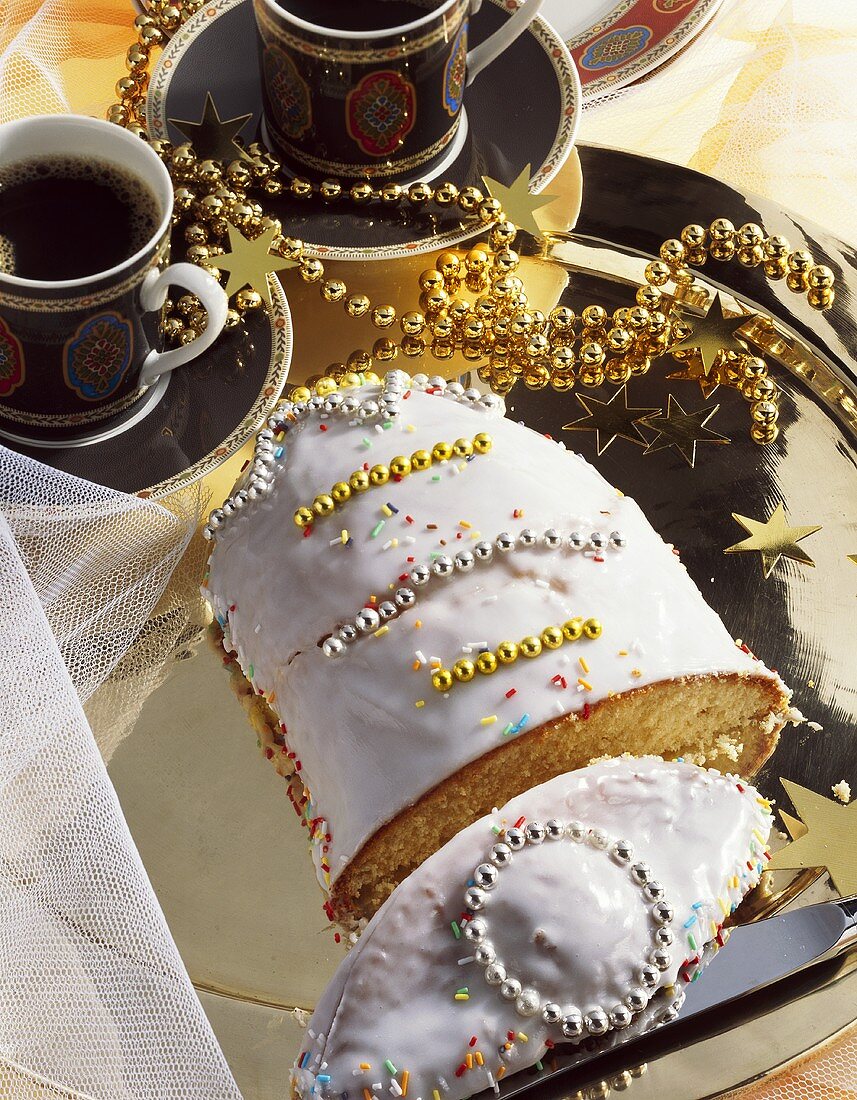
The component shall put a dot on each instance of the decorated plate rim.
(282, 342)
(687, 26)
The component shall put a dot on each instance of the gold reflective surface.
(211, 819)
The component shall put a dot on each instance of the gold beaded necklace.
(498, 332)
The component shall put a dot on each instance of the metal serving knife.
(757, 956)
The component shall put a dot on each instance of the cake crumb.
(816, 727)
(842, 790)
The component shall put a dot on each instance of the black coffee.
(358, 15)
(66, 217)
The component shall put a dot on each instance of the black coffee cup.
(371, 89)
(74, 355)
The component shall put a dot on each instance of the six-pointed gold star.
(712, 333)
(682, 430)
(213, 138)
(773, 538)
(519, 203)
(694, 371)
(829, 839)
(609, 419)
(249, 262)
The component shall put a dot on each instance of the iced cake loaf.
(444, 608)
(578, 910)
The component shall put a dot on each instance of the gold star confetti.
(213, 138)
(694, 371)
(853, 557)
(712, 333)
(774, 539)
(519, 203)
(682, 430)
(250, 262)
(609, 419)
(826, 836)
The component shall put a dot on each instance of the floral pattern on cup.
(97, 357)
(290, 93)
(380, 112)
(12, 364)
(455, 72)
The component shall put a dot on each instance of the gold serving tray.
(210, 817)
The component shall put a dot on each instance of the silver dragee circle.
(572, 1022)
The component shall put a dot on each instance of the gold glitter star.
(211, 137)
(712, 333)
(826, 836)
(519, 203)
(250, 262)
(609, 419)
(682, 430)
(853, 557)
(774, 539)
(694, 371)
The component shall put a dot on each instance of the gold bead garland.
(398, 468)
(508, 341)
(488, 661)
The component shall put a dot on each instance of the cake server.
(757, 956)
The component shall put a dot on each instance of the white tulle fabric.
(94, 998)
(763, 100)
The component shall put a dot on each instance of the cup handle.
(153, 294)
(500, 40)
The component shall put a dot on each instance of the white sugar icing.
(563, 913)
(367, 748)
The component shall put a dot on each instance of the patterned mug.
(376, 91)
(74, 355)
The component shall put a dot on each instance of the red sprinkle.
(462, 1069)
(520, 822)
(409, 519)
(510, 1035)
(406, 395)
(307, 531)
(511, 692)
(740, 788)
(472, 1042)
(587, 710)
(322, 427)
(337, 938)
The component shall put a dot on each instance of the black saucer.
(207, 412)
(522, 109)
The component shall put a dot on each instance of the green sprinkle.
(390, 1068)
(366, 441)
(436, 477)
(464, 989)
(250, 672)
(509, 729)
(539, 1065)
(387, 425)
(496, 830)
(691, 941)
(378, 528)
(456, 931)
